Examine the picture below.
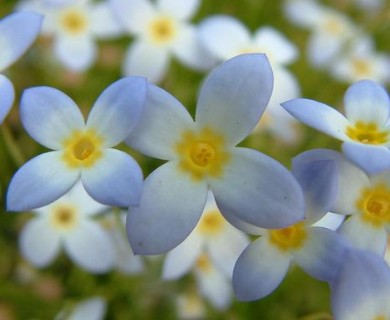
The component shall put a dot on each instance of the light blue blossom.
(365, 130)
(202, 156)
(82, 151)
(264, 263)
(17, 32)
(361, 289)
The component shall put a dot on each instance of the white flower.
(68, 223)
(75, 26)
(17, 32)
(226, 37)
(161, 30)
(82, 151)
(202, 155)
(89, 309)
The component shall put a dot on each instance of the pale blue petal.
(39, 243)
(371, 158)
(92, 309)
(39, 182)
(259, 190)
(242, 225)
(259, 270)
(162, 124)
(90, 247)
(118, 109)
(361, 234)
(116, 179)
(362, 287)
(322, 253)
(181, 259)
(367, 101)
(318, 180)
(181, 10)
(7, 94)
(319, 116)
(234, 96)
(49, 116)
(17, 32)
(171, 205)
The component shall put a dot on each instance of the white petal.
(171, 205)
(367, 101)
(90, 247)
(116, 179)
(146, 60)
(259, 270)
(189, 50)
(133, 14)
(7, 94)
(17, 32)
(216, 287)
(104, 23)
(331, 221)
(319, 116)
(92, 309)
(181, 259)
(162, 123)
(224, 36)
(371, 158)
(39, 182)
(362, 235)
(321, 254)
(39, 244)
(182, 10)
(76, 53)
(322, 49)
(269, 195)
(225, 248)
(49, 116)
(278, 49)
(293, 9)
(362, 288)
(118, 109)
(234, 96)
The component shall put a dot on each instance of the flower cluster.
(211, 205)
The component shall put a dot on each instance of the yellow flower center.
(362, 67)
(202, 153)
(367, 133)
(292, 237)
(74, 21)
(333, 25)
(203, 263)
(82, 149)
(374, 204)
(162, 30)
(64, 217)
(380, 317)
(211, 223)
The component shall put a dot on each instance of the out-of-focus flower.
(365, 130)
(125, 261)
(211, 250)
(161, 30)
(202, 156)
(17, 33)
(360, 61)
(264, 263)
(366, 201)
(362, 288)
(68, 223)
(330, 29)
(226, 37)
(190, 306)
(91, 309)
(82, 151)
(75, 26)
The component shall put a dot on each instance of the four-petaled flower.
(247, 185)
(82, 151)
